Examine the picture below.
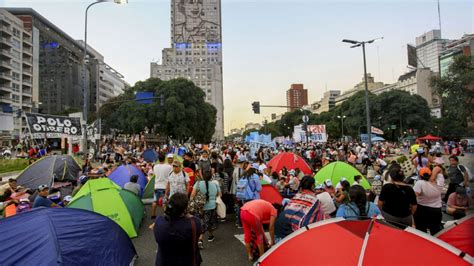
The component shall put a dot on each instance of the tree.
(183, 115)
(456, 88)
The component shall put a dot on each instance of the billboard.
(318, 133)
(53, 126)
(412, 57)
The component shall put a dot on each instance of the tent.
(429, 138)
(149, 191)
(460, 235)
(62, 236)
(290, 161)
(337, 170)
(121, 175)
(377, 138)
(270, 193)
(361, 242)
(150, 156)
(105, 197)
(47, 169)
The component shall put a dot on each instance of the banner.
(52, 126)
(318, 133)
(375, 130)
(93, 132)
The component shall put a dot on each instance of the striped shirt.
(303, 209)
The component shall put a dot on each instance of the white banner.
(377, 131)
(318, 133)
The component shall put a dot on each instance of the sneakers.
(210, 238)
(200, 244)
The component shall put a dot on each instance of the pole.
(342, 128)
(367, 107)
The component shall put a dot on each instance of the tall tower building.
(196, 51)
(428, 49)
(296, 97)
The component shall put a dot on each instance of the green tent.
(337, 170)
(105, 197)
(149, 191)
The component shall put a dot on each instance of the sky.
(267, 44)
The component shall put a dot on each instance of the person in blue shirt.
(42, 199)
(358, 207)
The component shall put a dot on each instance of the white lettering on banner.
(51, 121)
(67, 123)
(73, 130)
(37, 127)
(49, 125)
(40, 119)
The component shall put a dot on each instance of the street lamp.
(367, 110)
(85, 92)
(342, 125)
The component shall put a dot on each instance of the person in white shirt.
(327, 203)
(178, 181)
(161, 171)
(338, 185)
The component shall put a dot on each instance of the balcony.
(27, 102)
(27, 91)
(27, 39)
(6, 41)
(6, 76)
(6, 52)
(27, 62)
(5, 88)
(27, 71)
(6, 64)
(27, 81)
(5, 99)
(28, 51)
(6, 29)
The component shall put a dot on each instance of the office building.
(196, 52)
(296, 97)
(18, 87)
(371, 85)
(428, 49)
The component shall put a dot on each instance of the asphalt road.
(226, 249)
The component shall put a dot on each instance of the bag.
(220, 208)
(244, 190)
(469, 173)
(196, 204)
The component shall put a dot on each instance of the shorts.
(158, 194)
(209, 220)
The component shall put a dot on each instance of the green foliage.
(12, 165)
(456, 88)
(184, 115)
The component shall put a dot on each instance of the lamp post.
(85, 91)
(342, 125)
(367, 110)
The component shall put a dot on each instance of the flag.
(375, 130)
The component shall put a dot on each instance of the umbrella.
(63, 236)
(429, 138)
(290, 161)
(361, 242)
(270, 193)
(460, 235)
(105, 197)
(377, 138)
(337, 170)
(150, 156)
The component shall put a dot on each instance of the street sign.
(394, 127)
(305, 118)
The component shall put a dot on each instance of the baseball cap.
(424, 171)
(170, 155)
(342, 179)
(319, 186)
(68, 198)
(328, 183)
(42, 187)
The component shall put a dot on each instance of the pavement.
(225, 250)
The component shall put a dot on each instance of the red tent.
(290, 161)
(368, 242)
(429, 138)
(460, 235)
(270, 193)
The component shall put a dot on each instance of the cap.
(68, 198)
(292, 172)
(342, 179)
(328, 183)
(42, 187)
(377, 177)
(170, 155)
(319, 186)
(420, 150)
(177, 163)
(83, 179)
(425, 170)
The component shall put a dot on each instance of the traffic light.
(256, 107)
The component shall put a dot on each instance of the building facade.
(18, 89)
(196, 51)
(371, 85)
(296, 97)
(428, 49)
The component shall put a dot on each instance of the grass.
(12, 165)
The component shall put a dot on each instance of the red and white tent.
(290, 161)
(460, 235)
(368, 242)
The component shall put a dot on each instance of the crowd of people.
(197, 185)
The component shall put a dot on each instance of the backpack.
(469, 173)
(196, 204)
(244, 189)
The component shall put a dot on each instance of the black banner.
(41, 124)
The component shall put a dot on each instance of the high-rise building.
(18, 89)
(296, 97)
(428, 49)
(196, 51)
